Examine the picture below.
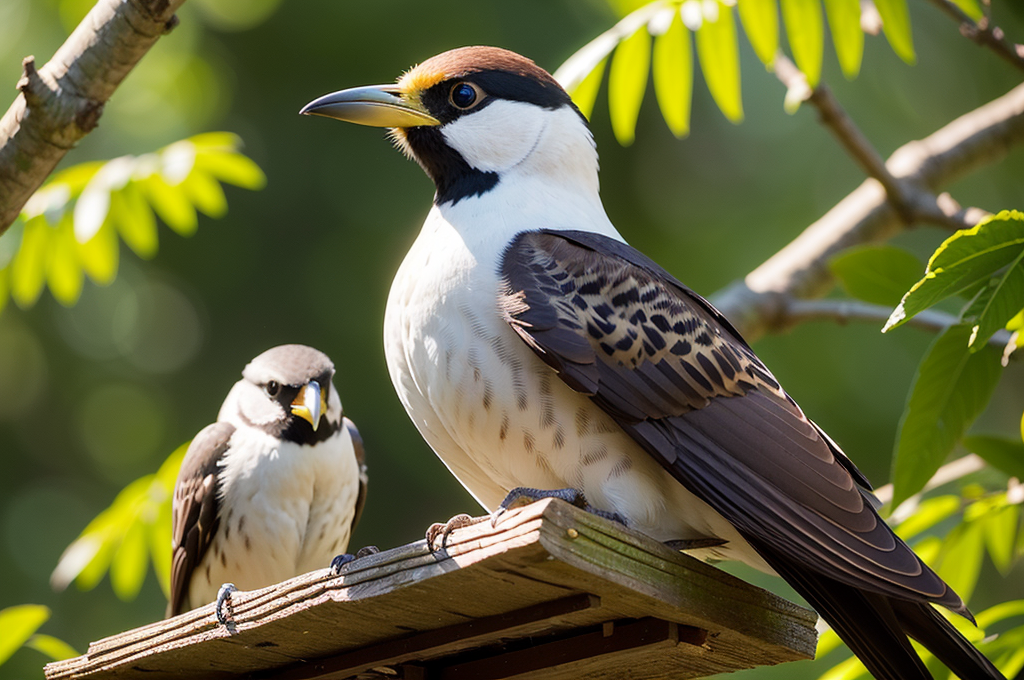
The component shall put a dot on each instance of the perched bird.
(533, 347)
(272, 489)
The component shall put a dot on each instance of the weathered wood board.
(552, 592)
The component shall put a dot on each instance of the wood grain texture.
(548, 579)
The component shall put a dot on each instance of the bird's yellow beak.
(375, 105)
(310, 403)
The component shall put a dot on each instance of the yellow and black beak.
(375, 105)
(310, 403)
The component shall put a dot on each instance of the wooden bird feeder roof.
(551, 593)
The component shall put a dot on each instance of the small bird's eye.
(464, 95)
(272, 388)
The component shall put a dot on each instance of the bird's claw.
(522, 496)
(224, 600)
(341, 560)
(443, 530)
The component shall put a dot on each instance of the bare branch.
(62, 102)
(985, 34)
(800, 270)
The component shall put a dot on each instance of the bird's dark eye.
(272, 388)
(465, 95)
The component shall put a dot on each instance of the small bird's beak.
(310, 403)
(375, 105)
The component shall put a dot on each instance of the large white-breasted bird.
(532, 347)
(272, 489)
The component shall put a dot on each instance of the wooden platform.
(550, 593)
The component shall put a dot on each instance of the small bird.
(272, 489)
(539, 354)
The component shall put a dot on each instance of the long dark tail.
(875, 627)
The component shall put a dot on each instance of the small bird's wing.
(681, 382)
(357, 444)
(195, 512)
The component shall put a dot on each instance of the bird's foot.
(522, 496)
(682, 544)
(341, 560)
(443, 530)
(223, 609)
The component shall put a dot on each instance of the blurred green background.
(94, 396)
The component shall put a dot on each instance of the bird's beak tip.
(309, 404)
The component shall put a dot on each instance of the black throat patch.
(454, 178)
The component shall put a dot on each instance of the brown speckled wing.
(679, 379)
(195, 513)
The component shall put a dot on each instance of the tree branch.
(62, 102)
(800, 270)
(984, 34)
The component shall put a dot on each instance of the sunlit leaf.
(1000, 530)
(76, 177)
(960, 563)
(224, 141)
(232, 168)
(134, 221)
(99, 256)
(4, 286)
(929, 513)
(876, 274)
(971, 8)
(720, 61)
(55, 648)
(28, 269)
(997, 303)
(1005, 454)
(760, 19)
(128, 566)
(171, 204)
(896, 24)
(18, 623)
(951, 388)
(205, 193)
(967, 257)
(805, 31)
(673, 75)
(1000, 612)
(627, 80)
(847, 35)
(585, 94)
(64, 270)
(850, 669)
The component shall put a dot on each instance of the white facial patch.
(497, 136)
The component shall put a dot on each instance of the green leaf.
(876, 274)
(805, 30)
(585, 94)
(1000, 529)
(128, 567)
(960, 561)
(18, 623)
(896, 24)
(99, 255)
(55, 648)
(1000, 612)
(850, 669)
(5, 286)
(720, 60)
(929, 513)
(971, 8)
(847, 36)
(223, 141)
(28, 269)
(967, 257)
(627, 81)
(999, 302)
(760, 19)
(673, 75)
(64, 270)
(171, 204)
(951, 388)
(134, 220)
(76, 177)
(1004, 454)
(232, 168)
(205, 193)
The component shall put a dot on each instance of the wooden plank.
(431, 610)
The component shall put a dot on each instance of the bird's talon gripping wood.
(533, 347)
(223, 608)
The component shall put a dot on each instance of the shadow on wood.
(550, 593)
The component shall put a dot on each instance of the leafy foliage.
(137, 525)
(876, 273)
(69, 229)
(19, 625)
(671, 22)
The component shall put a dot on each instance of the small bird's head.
(473, 117)
(287, 392)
